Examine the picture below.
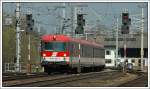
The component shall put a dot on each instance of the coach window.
(107, 52)
(81, 51)
(108, 61)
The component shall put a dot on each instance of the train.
(61, 53)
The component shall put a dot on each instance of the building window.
(133, 61)
(108, 61)
(107, 52)
(139, 61)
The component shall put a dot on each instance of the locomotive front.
(54, 54)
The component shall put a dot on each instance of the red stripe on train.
(57, 54)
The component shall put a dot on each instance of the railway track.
(75, 82)
(141, 81)
(51, 81)
(108, 80)
(22, 76)
(103, 79)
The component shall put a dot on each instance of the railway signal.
(29, 29)
(80, 24)
(126, 22)
(29, 23)
(125, 28)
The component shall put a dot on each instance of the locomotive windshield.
(54, 46)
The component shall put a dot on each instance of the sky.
(47, 13)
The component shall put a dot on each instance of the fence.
(10, 67)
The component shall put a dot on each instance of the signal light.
(126, 22)
(124, 29)
(80, 24)
(125, 17)
(29, 23)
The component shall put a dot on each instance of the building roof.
(132, 41)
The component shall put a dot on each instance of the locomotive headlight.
(54, 37)
(44, 55)
(64, 55)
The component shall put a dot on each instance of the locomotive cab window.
(55, 46)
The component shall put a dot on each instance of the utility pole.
(125, 59)
(142, 28)
(64, 18)
(39, 28)
(124, 63)
(17, 64)
(117, 41)
(79, 68)
(86, 36)
(74, 18)
(64, 11)
(29, 56)
(29, 50)
(73, 15)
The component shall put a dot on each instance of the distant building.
(110, 57)
(8, 21)
(133, 48)
(108, 38)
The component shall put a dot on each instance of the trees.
(9, 43)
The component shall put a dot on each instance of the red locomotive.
(66, 54)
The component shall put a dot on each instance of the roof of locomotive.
(64, 38)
